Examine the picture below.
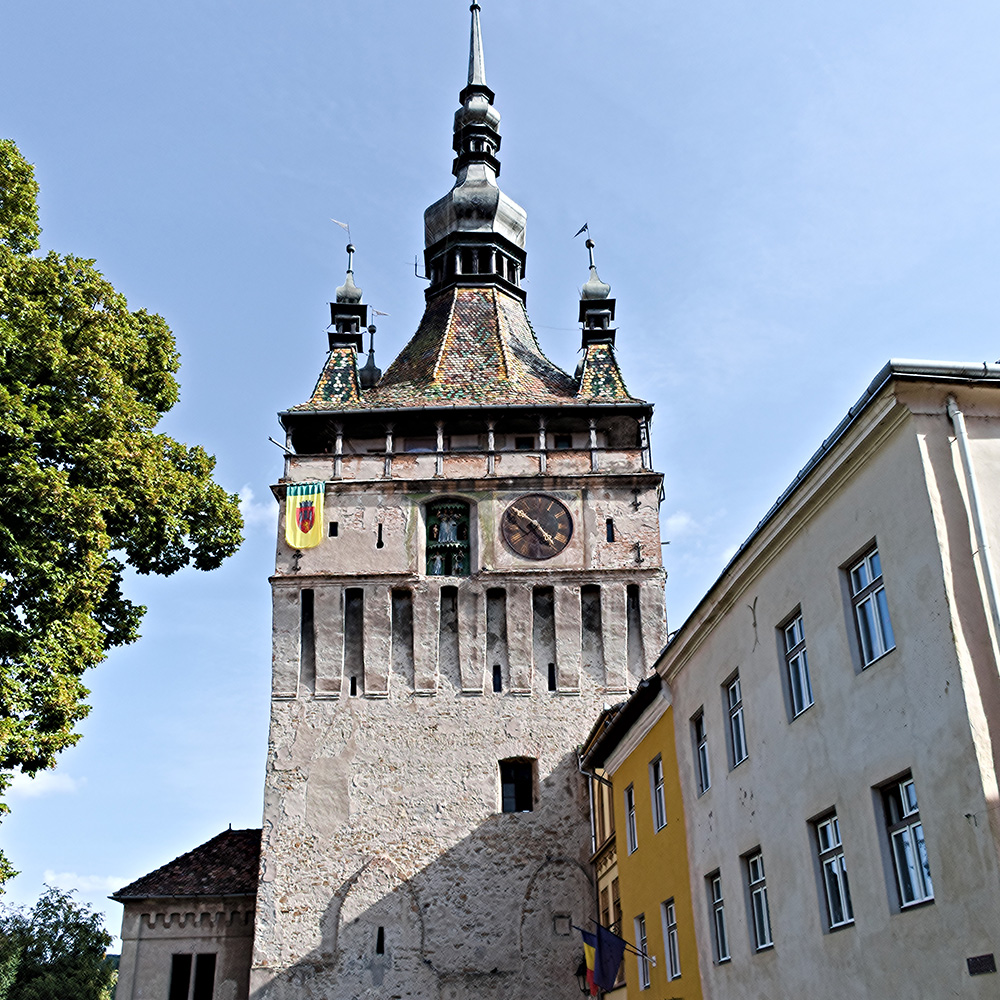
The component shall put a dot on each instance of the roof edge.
(901, 368)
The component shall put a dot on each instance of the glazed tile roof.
(224, 866)
(474, 346)
(337, 386)
(601, 378)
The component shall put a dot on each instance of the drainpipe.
(988, 578)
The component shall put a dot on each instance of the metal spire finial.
(594, 287)
(348, 291)
(477, 61)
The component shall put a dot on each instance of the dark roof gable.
(224, 866)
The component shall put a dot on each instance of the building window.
(563, 441)
(497, 678)
(669, 914)
(799, 685)
(448, 538)
(203, 986)
(609, 529)
(871, 611)
(642, 958)
(631, 839)
(701, 752)
(517, 784)
(524, 442)
(737, 730)
(719, 933)
(758, 902)
(906, 841)
(831, 859)
(656, 794)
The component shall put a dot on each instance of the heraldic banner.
(304, 514)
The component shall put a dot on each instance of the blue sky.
(784, 196)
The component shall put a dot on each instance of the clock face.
(536, 526)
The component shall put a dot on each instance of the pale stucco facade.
(923, 713)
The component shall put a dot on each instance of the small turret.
(597, 311)
(370, 374)
(347, 314)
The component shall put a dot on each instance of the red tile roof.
(224, 866)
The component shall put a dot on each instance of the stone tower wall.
(389, 868)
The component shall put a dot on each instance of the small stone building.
(187, 930)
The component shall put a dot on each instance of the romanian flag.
(590, 957)
(304, 514)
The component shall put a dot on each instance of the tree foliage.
(87, 485)
(55, 951)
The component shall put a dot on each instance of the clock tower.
(481, 574)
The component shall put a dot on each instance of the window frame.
(699, 735)
(717, 911)
(870, 607)
(657, 795)
(737, 723)
(796, 660)
(642, 946)
(907, 830)
(631, 832)
(830, 855)
(517, 781)
(671, 945)
(762, 935)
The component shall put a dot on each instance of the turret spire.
(597, 310)
(477, 62)
(347, 314)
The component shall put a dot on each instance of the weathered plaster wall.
(154, 930)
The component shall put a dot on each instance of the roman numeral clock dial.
(536, 526)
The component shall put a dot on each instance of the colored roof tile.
(224, 866)
(474, 346)
(601, 378)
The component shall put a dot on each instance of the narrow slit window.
(552, 677)
(609, 526)
(380, 941)
(354, 637)
(497, 678)
(379, 543)
(334, 529)
(307, 640)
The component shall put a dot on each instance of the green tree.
(62, 949)
(87, 486)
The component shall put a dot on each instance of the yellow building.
(605, 853)
(631, 757)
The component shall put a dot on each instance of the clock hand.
(535, 527)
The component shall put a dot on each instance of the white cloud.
(44, 783)
(255, 514)
(84, 883)
(679, 523)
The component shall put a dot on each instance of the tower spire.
(477, 62)
(475, 233)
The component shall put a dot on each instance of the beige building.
(837, 702)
